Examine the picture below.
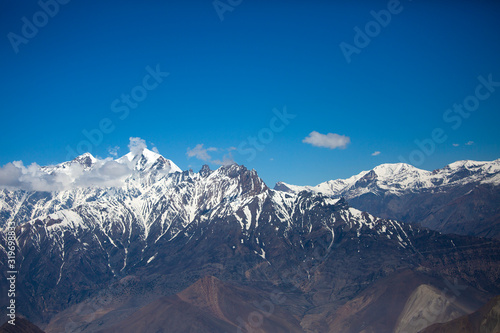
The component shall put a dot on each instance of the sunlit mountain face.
(134, 244)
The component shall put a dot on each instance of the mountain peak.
(392, 169)
(150, 155)
(145, 159)
(86, 160)
(205, 170)
(468, 164)
(284, 187)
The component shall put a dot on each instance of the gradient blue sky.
(227, 76)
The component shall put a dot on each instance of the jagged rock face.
(461, 198)
(164, 230)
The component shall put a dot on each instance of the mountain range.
(135, 244)
(460, 198)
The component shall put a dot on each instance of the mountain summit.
(146, 159)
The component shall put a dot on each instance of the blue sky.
(231, 83)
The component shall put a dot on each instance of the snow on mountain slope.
(147, 160)
(127, 231)
(156, 203)
(82, 180)
(153, 203)
(459, 198)
(399, 178)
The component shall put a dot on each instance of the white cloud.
(376, 153)
(9, 175)
(470, 143)
(105, 173)
(137, 145)
(199, 152)
(226, 160)
(202, 154)
(330, 140)
(456, 145)
(154, 148)
(113, 151)
(17, 176)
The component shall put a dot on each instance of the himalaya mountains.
(133, 243)
(460, 198)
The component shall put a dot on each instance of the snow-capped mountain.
(45, 190)
(459, 198)
(140, 222)
(401, 178)
(148, 160)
